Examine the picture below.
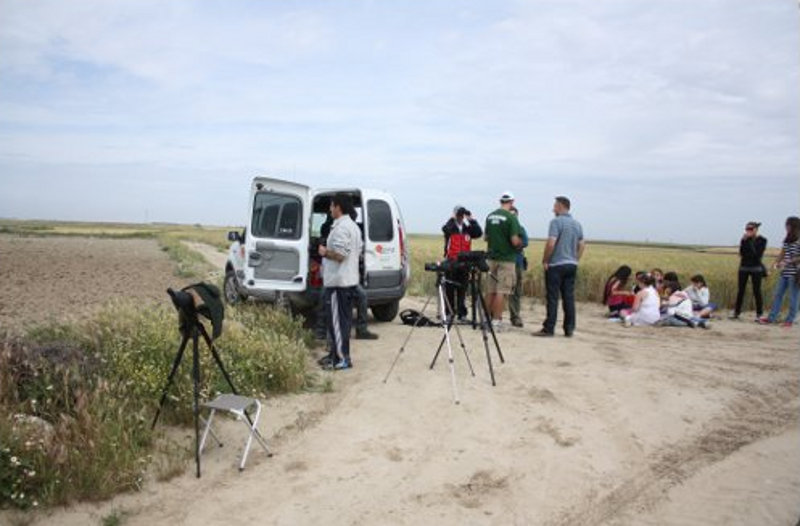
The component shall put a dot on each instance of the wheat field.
(717, 264)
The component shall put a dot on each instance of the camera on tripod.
(475, 259)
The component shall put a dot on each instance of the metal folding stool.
(237, 406)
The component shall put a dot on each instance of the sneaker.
(343, 364)
(366, 335)
(462, 320)
(733, 317)
(543, 333)
(498, 326)
(763, 320)
(517, 323)
(569, 333)
(325, 361)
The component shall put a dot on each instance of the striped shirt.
(791, 252)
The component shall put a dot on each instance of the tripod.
(444, 307)
(484, 320)
(192, 328)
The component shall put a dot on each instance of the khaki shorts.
(505, 273)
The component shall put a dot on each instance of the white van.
(275, 257)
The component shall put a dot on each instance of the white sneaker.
(498, 326)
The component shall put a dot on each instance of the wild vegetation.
(77, 399)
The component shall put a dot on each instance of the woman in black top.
(751, 250)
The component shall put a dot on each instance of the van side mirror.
(233, 235)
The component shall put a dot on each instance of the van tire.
(231, 289)
(386, 311)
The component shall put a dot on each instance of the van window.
(379, 219)
(277, 216)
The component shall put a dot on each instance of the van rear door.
(383, 253)
(277, 244)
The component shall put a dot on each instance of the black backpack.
(415, 318)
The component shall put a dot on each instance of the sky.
(662, 120)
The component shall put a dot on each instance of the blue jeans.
(560, 281)
(784, 283)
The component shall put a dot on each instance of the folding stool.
(237, 406)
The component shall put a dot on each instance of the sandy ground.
(652, 426)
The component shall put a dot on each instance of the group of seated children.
(656, 298)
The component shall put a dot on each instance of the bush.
(79, 398)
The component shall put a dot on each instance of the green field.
(718, 264)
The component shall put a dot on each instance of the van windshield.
(277, 216)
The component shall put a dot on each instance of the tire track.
(753, 415)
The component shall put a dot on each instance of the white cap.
(506, 197)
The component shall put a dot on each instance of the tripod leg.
(485, 320)
(196, 380)
(449, 347)
(464, 348)
(491, 328)
(448, 326)
(408, 337)
(172, 372)
(217, 359)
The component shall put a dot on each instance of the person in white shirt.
(700, 295)
(679, 308)
(340, 277)
(646, 304)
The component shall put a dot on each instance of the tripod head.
(199, 298)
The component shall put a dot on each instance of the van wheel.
(386, 311)
(231, 289)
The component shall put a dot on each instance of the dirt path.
(613, 426)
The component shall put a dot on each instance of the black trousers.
(560, 282)
(340, 319)
(456, 291)
(359, 299)
(755, 276)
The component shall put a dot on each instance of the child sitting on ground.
(646, 304)
(615, 293)
(679, 312)
(700, 295)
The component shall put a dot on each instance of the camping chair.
(237, 406)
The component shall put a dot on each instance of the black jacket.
(751, 251)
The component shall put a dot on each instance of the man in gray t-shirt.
(562, 252)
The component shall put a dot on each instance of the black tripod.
(444, 308)
(483, 320)
(191, 328)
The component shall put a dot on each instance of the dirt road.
(613, 426)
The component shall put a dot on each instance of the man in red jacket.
(459, 231)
